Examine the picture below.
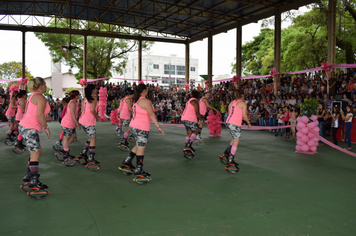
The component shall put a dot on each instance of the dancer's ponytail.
(138, 90)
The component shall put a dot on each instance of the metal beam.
(139, 60)
(210, 60)
(277, 47)
(187, 64)
(238, 50)
(88, 33)
(23, 58)
(85, 58)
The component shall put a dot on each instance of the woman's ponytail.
(138, 90)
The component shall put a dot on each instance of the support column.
(331, 31)
(85, 58)
(331, 35)
(187, 64)
(210, 60)
(277, 47)
(238, 50)
(139, 60)
(23, 58)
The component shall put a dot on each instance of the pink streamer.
(333, 145)
(18, 79)
(266, 127)
(302, 71)
(343, 66)
(1, 126)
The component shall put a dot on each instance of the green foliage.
(216, 105)
(104, 54)
(13, 70)
(304, 43)
(47, 91)
(309, 107)
(69, 90)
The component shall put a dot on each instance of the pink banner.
(333, 145)
(11, 79)
(302, 71)
(92, 80)
(343, 66)
(3, 125)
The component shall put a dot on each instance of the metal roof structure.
(178, 21)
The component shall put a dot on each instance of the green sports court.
(276, 192)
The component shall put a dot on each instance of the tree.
(13, 70)
(304, 43)
(104, 54)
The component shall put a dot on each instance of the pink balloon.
(311, 135)
(298, 119)
(311, 143)
(316, 129)
(211, 132)
(316, 122)
(316, 140)
(311, 125)
(298, 148)
(300, 125)
(305, 148)
(305, 130)
(312, 149)
(305, 119)
(299, 134)
(313, 117)
(305, 138)
(300, 143)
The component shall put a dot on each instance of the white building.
(157, 67)
(60, 82)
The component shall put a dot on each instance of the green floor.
(276, 192)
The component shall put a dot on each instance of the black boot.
(139, 171)
(231, 161)
(9, 137)
(91, 158)
(84, 152)
(188, 146)
(27, 176)
(66, 155)
(36, 183)
(227, 151)
(128, 161)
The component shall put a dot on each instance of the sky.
(38, 60)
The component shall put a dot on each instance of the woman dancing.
(70, 123)
(37, 108)
(10, 116)
(88, 120)
(203, 107)
(190, 117)
(125, 116)
(237, 111)
(140, 128)
(21, 105)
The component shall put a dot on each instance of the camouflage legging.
(31, 137)
(140, 136)
(10, 119)
(68, 132)
(235, 130)
(126, 122)
(189, 125)
(89, 130)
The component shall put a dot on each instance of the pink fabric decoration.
(325, 66)
(83, 82)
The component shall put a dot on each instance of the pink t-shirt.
(64, 111)
(140, 120)
(29, 119)
(236, 113)
(10, 111)
(202, 107)
(19, 113)
(87, 118)
(125, 111)
(189, 112)
(286, 116)
(67, 120)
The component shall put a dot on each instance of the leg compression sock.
(139, 160)
(92, 150)
(120, 125)
(192, 137)
(33, 166)
(61, 136)
(130, 157)
(186, 139)
(19, 137)
(233, 150)
(126, 135)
